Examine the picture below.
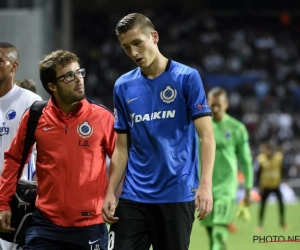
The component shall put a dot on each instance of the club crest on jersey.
(168, 94)
(227, 134)
(84, 129)
(11, 114)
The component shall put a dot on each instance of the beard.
(69, 96)
(3, 79)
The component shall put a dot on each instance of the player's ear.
(155, 36)
(227, 105)
(15, 67)
(51, 86)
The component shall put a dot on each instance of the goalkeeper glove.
(243, 212)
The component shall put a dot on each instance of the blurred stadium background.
(249, 47)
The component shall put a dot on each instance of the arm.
(285, 165)
(245, 159)
(118, 166)
(8, 181)
(203, 199)
(256, 174)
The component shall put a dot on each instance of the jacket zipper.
(61, 219)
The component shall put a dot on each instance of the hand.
(247, 198)
(108, 209)
(243, 212)
(203, 200)
(5, 220)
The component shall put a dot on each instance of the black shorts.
(164, 226)
(42, 234)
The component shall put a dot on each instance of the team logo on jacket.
(84, 129)
(11, 114)
(168, 94)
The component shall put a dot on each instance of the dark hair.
(12, 51)
(218, 91)
(132, 20)
(26, 84)
(6, 45)
(51, 63)
(267, 145)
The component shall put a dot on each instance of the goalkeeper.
(232, 149)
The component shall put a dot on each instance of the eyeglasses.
(70, 76)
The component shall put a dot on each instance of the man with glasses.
(13, 103)
(73, 137)
(70, 76)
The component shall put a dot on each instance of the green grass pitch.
(243, 239)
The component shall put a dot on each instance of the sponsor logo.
(201, 106)
(46, 129)
(131, 100)
(166, 114)
(92, 242)
(4, 130)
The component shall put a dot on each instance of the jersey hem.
(121, 131)
(201, 115)
(157, 201)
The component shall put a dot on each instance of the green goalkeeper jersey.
(232, 150)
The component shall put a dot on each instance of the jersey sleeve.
(110, 135)
(196, 97)
(120, 122)
(244, 155)
(12, 159)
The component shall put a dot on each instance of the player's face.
(218, 106)
(69, 92)
(265, 149)
(140, 47)
(7, 67)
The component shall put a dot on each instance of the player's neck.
(219, 118)
(157, 67)
(5, 87)
(68, 108)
